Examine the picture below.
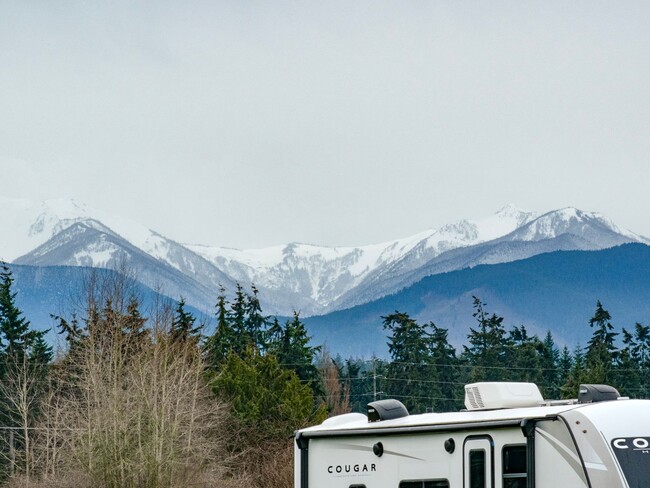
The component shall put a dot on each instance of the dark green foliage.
(290, 345)
(601, 351)
(72, 332)
(487, 352)
(524, 357)
(550, 363)
(265, 397)
(239, 327)
(17, 340)
(182, 328)
(446, 364)
(364, 380)
(16, 337)
(265, 370)
(632, 369)
(222, 342)
(411, 373)
(255, 322)
(133, 327)
(565, 367)
(627, 372)
(576, 374)
(237, 315)
(24, 364)
(422, 372)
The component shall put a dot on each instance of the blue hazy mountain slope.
(44, 290)
(556, 291)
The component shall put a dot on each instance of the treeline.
(427, 374)
(144, 397)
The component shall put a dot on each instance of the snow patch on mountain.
(325, 273)
(304, 277)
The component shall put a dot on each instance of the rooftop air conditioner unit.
(491, 396)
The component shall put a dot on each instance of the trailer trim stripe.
(414, 429)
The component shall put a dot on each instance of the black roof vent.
(386, 410)
(597, 393)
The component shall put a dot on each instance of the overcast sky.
(248, 124)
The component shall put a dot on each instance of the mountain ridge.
(310, 278)
(554, 291)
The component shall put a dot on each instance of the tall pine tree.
(182, 326)
(290, 345)
(601, 350)
(486, 354)
(411, 373)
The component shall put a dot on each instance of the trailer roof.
(357, 424)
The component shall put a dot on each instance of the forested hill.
(555, 291)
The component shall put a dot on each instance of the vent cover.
(489, 396)
(597, 393)
(386, 410)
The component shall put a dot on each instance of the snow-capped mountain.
(89, 243)
(64, 232)
(312, 279)
(592, 226)
(566, 229)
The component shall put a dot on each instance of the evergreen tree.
(364, 379)
(237, 315)
(290, 345)
(73, 333)
(601, 351)
(134, 326)
(223, 341)
(24, 361)
(411, 373)
(576, 375)
(374, 382)
(351, 381)
(269, 401)
(641, 346)
(565, 366)
(274, 334)
(443, 356)
(182, 327)
(627, 371)
(524, 357)
(16, 337)
(550, 359)
(256, 322)
(488, 346)
(640, 353)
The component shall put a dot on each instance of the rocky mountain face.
(311, 279)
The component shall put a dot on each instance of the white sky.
(247, 124)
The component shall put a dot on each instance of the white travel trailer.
(509, 437)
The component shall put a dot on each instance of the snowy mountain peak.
(504, 221)
(591, 226)
(304, 277)
(510, 210)
(464, 230)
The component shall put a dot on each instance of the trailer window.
(477, 468)
(424, 484)
(514, 466)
